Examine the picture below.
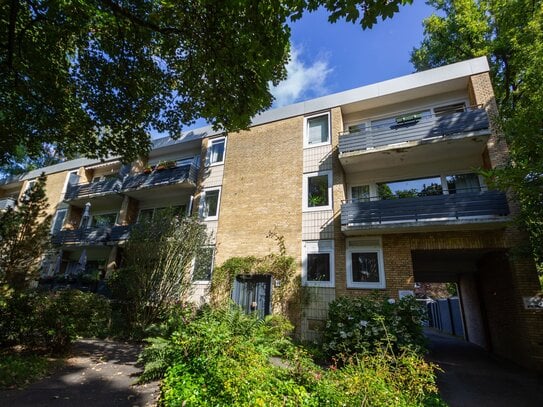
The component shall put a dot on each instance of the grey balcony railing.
(185, 173)
(480, 204)
(6, 203)
(91, 236)
(93, 188)
(426, 128)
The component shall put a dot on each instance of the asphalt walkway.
(473, 377)
(98, 374)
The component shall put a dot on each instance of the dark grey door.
(252, 293)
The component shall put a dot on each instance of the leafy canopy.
(510, 33)
(95, 77)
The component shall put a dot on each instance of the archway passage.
(486, 293)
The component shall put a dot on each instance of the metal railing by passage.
(91, 236)
(426, 128)
(93, 188)
(466, 204)
(184, 173)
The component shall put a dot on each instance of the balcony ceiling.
(99, 202)
(410, 153)
(163, 191)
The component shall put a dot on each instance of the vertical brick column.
(524, 275)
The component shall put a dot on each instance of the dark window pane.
(463, 183)
(211, 201)
(105, 220)
(317, 188)
(318, 267)
(317, 130)
(217, 152)
(145, 215)
(203, 265)
(410, 188)
(365, 267)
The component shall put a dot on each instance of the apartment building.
(373, 189)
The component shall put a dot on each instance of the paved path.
(100, 373)
(474, 377)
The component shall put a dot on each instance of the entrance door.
(252, 293)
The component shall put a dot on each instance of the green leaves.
(96, 77)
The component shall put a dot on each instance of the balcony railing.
(425, 128)
(185, 173)
(93, 188)
(6, 203)
(91, 236)
(425, 209)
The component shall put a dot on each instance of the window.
(317, 130)
(29, 186)
(410, 188)
(365, 263)
(400, 120)
(360, 193)
(146, 215)
(59, 220)
(215, 151)
(203, 265)
(104, 220)
(463, 183)
(185, 161)
(318, 263)
(317, 191)
(209, 204)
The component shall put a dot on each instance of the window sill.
(327, 143)
(328, 284)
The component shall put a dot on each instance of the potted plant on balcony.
(148, 169)
(164, 165)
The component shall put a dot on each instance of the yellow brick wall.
(262, 191)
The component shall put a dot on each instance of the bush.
(224, 358)
(357, 325)
(18, 370)
(52, 320)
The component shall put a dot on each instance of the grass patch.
(19, 369)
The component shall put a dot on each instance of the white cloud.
(303, 81)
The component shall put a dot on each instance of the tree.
(510, 33)
(156, 267)
(24, 237)
(95, 77)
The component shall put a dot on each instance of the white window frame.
(305, 192)
(367, 248)
(318, 247)
(65, 210)
(208, 153)
(203, 282)
(306, 132)
(202, 203)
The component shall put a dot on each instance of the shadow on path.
(99, 373)
(474, 377)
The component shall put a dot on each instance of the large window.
(317, 191)
(209, 204)
(146, 215)
(463, 183)
(103, 220)
(203, 265)
(215, 151)
(318, 263)
(365, 263)
(360, 193)
(317, 130)
(410, 188)
(59, 220)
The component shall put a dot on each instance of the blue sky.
(328, 58)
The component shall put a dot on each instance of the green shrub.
(52, 320)
(226, 358)
(18, 370)
(360, 324)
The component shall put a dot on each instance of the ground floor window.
(318, 263)
(365, 263)
(203, 265)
